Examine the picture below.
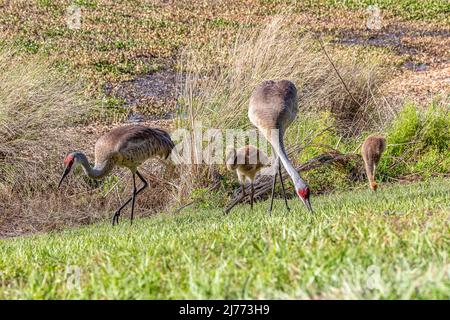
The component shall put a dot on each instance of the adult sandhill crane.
(273, 106)
(127, 146)
(371, 151)
(247, 161)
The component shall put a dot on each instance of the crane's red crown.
(303, 193)
(68, 161)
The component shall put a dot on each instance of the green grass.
(408, 9)
(358, 244)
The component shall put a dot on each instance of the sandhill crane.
(273, 106)
(247, 161)
(371, 151)
(126, 146)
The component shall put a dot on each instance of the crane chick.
(247, 161)
(371, 151)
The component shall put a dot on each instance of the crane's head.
(303, 193)
(69, 164)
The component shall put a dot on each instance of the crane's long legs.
(282, 186)
(117, 213)
(375, 186)
(278, 172)
(134, 198)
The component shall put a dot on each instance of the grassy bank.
(358, 244)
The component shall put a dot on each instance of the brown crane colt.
(371, 151)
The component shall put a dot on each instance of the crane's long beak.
(308, 205)
(65, 173)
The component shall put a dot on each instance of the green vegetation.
(418, 141)
(400, 234)
(418, 145)
(409, 9)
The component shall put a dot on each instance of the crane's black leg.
(134, 198)
(117, 213)
(282, 185)
(143, 180)
(273, 190)
(252, 192)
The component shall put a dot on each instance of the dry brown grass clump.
(36, 103)
(80, 202)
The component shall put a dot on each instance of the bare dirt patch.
(430, 46)
(425, 70)
(150, 96)
(420, 86)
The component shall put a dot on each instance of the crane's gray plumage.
(273, 107)
(127, 146)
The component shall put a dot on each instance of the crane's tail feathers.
(166, 143)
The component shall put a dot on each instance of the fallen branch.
(263, 183)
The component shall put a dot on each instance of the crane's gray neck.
(278, 146)
(96, 172)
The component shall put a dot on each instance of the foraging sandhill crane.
(128, 146)
(247, 161)
(371, 151)
(273, 107)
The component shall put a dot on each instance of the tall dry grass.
(36, 104)
(217, 94)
